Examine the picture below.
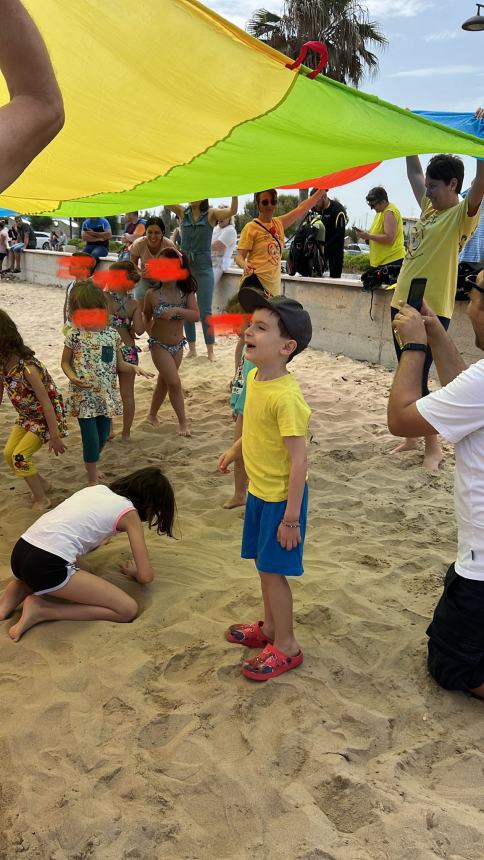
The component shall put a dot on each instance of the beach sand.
(144, 740)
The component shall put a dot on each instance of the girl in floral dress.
(91, 360)
(41, 415)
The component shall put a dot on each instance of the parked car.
(357, 248)
(43, 240)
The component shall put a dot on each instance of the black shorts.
(456, 634)
(40, 570)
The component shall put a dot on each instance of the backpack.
(305, 256)
(375, 277)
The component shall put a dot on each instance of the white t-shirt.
(79, 524)
(228, 236)
(457, 412)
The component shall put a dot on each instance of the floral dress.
(94, 359)
(22, 397)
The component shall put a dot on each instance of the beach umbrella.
(167, 102)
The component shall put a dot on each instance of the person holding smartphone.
(444, 226)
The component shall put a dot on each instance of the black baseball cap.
(297, 321)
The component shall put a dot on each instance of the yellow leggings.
(18, 451)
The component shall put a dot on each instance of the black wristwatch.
(414, 347)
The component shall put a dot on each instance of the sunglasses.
(271, 202)
(371, 202)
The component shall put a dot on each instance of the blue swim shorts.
(259, 538)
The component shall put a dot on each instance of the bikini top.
(117, 320)
(164, 306)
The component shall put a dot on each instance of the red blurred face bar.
(113, 279)
(227, 323)
(166, 269)
(76, 268)
(90, 318)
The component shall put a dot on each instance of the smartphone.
(416, 292)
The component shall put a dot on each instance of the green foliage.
(356, 262)
(41, 222)
(343, 26)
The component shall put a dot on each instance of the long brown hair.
(151, 494)
(11, 341)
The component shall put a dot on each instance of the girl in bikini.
(39, 407)
(125, 316)
(166, 307)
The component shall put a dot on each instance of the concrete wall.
(339, 309)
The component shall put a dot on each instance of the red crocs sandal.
(270, 663)
(249, 635)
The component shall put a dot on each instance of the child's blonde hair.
(85, 296)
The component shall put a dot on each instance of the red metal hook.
(318, 48)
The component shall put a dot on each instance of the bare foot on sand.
(153, 420)
(125, 437)
(432, 460)
(32, 614)
(406, 445)
(192, 353)
(184, 430)
(42, 504)
(235, 502)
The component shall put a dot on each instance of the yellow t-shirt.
(264, 252)
(433, 252)
(273, 409)
(381, 254)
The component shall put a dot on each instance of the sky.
(430, 64)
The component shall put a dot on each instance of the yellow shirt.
(433, 251)
(264, 252)
(273, 409)
(381, 254)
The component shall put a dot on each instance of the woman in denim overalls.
(197, 222)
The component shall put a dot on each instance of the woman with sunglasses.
(262, 240)
(197, 221)
(385, 235)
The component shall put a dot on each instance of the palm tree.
(343, 25)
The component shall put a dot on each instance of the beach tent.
(167, 102)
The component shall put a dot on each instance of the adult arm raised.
(300, 211)
(476, 191)
(416, 177)
(218, 214)
(35, 113)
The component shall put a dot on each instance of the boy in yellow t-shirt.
(273, 444)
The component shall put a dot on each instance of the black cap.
(297, 321)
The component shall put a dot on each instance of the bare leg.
(268, 625)
(41, 501)
(210, 353)
(93, 475)
(167, 366)
(407, 445)
(14, 594)
(192, 350)
(126, 389)
(16, 261)
(240, 476)
(159, 394)
(277, 592)
(93, 599)
(433, 455)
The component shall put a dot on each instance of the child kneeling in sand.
(46, 559)
(273, 442)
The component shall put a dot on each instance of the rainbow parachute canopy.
(168, 102)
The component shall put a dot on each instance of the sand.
(144, 740)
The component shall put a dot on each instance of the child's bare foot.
(111, 436)
(192, 353)
(210, 353)
(432, 460)
(32, 614)
(184, 430)
(235, 502)
(41, 504)
(406, 445)
(125, 437)
(153, 420)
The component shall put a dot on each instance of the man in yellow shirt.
(444, 226)
(273, 444)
